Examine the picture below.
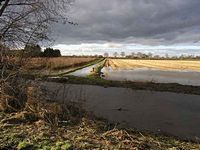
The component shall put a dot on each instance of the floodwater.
(85, 71)
(152, 75)
(158, 112)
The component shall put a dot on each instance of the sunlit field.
(99, 74)
(153, 64)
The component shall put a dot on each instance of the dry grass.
(87, 134)
(57, 63)
(154, 64)
(46, 125)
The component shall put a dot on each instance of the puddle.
(149, 75)
(158, 112)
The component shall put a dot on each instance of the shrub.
(50, 52)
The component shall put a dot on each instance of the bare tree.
(25, 22)
(166, 56)
(133, 54)
(115, 54)
(122, 54)
(139, 55)
(156, 57)
(106, 54)
(150, 55)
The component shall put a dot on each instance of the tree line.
(32, 50)
(140, 55)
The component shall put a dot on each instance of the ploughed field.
(154, 64)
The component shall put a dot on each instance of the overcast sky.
(157, 26)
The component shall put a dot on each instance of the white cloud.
(157, 26)
(100, 49)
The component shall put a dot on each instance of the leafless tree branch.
(23, 22)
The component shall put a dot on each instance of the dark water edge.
(158, 112)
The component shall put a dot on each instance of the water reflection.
(152, 75)
(85, 71)
(165, 112)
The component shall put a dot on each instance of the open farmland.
(157, 71)
(57, 63)
(153, 64)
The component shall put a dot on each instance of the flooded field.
(157, 71)
(85, 71)
(152, 75)
(158, 112)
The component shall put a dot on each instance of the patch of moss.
(62, 146)
(88, 134)
(25, 146)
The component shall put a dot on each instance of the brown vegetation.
(57, 63)
(88, 134)
(42, 124)
(153, 64)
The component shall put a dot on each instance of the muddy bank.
(158, 112)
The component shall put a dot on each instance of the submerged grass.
(97, 70)
(87, 65)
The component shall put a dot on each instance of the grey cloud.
(142, 21)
